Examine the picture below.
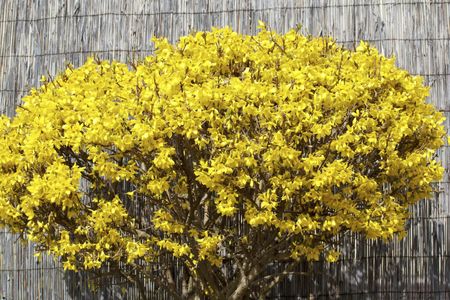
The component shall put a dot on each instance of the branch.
(166, 284)
(275, 279)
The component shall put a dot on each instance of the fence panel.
(39, 37)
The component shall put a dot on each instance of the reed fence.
(40, 36)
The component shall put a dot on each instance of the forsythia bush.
(221, 154)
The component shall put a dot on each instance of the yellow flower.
(204, 147)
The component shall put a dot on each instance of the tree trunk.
(239, 292)
(244, 282)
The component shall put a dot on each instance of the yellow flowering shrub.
(220, 155)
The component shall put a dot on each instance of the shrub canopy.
(223, 153)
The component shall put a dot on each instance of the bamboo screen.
(38, 37)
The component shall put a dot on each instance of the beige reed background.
(40, 36)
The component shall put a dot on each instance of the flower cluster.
(220, 147)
